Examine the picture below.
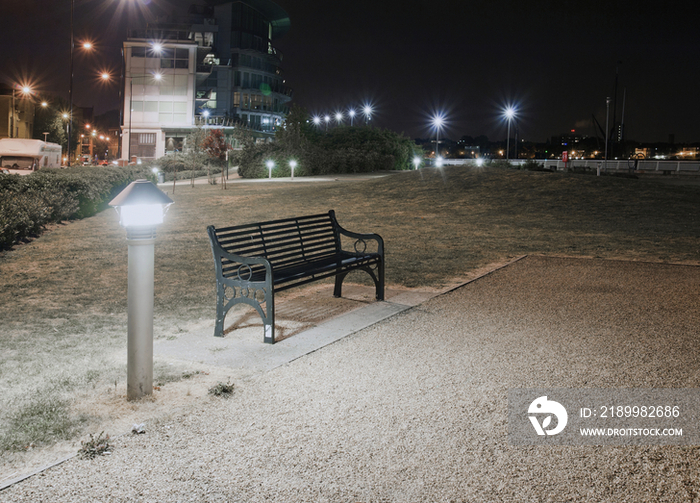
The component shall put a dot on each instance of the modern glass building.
(216, 68)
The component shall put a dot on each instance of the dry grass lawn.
(63, 303)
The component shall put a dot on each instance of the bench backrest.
(284, 243)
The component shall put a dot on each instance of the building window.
(143, 145)
(138, 52)
(236, 99)
(174, 58)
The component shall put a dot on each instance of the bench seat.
(253, 261)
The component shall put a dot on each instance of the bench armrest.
(359, 236)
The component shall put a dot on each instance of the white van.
(24, 156)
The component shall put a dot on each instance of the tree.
(216, 147)
(194, 153)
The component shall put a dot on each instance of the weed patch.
(41, 419)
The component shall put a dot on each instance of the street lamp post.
(25, 90)
(141, 207)
(438, 122)
(510, 113)
(351, 113)
(270, 164)
(607, 132)
(292, 164)
(367, 111)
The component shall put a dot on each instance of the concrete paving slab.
(243, 349)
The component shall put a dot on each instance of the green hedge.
(340, 150)
(28, 203)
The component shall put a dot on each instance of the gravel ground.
(414, 408)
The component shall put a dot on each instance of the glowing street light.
(292, 164)
(438, 122)
(141, 207)
(416, 161)
(338, 117)
(270, 164)
(367, 111)
(351, 113)
(317, 120)
(326, 119)
(509, 114)
(25, 91)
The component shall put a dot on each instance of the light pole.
(327, 119)
(339, 117)
(24, 90)
(141, 207)
(351, 113)
(438, 122)
(70, 87)
(367, 111)
(270, 164)
(292, 164)
(607, 132)
(510, 113)
(416, 162)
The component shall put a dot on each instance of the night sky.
(556, 60)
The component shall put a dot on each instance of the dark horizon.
(557, 63)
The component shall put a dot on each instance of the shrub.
(341, 150)
(29, 203)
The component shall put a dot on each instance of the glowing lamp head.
(351, 113)
(367, 110)
(509, 113)
(438, 162)
(141, 206)
(479, 162)
(293, 164)
(416, 162)
(270, 164)
(205, 113)
(317, 120)
(338, 116)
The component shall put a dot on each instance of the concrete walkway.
(414, 407)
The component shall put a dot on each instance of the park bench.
(254, 261)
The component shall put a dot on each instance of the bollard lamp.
(141, 207)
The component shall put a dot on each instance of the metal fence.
(649, 166)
